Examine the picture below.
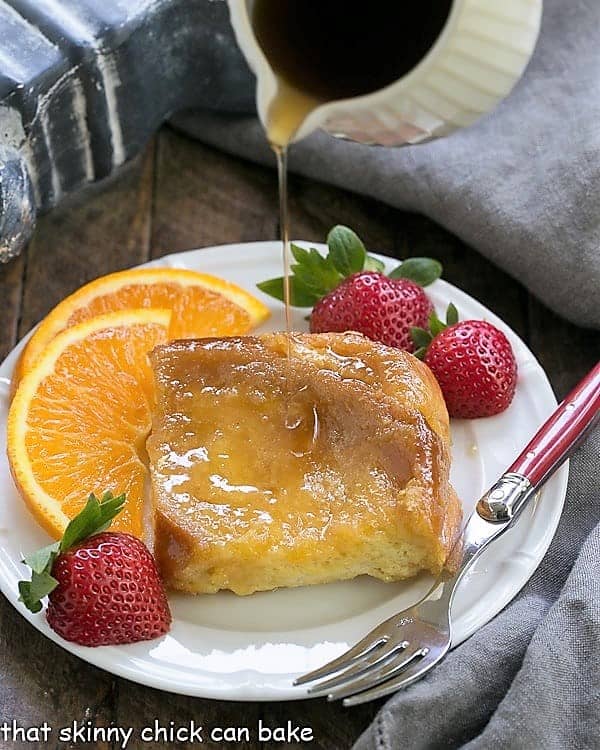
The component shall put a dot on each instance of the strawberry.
(473, 363)
(381, 308)
(103, 587)
(349, 291)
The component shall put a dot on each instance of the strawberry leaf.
(95, 517)
(421, 337)
(435, 324)
(306, 278)
(315, 271)
(313, 261)
(374, 264)
(451, 315)
(314, 275)
(299, 253)
(422, 271)
(32, 592)
(42, 559)
(42, 583)
(301, 295)
(346, 250)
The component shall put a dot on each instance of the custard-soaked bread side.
(295, 459)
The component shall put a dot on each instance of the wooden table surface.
(183, 195)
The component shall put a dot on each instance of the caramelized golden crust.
(286, 460)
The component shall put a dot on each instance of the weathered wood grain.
(565, 351)
(141, 707)
(315, 208)
(42, 682)
(103, 232)
(11, 287)
(204, 197)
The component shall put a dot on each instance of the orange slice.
(202, 305)
(80, 417)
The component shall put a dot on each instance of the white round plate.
(251, 648)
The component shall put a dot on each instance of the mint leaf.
(420, 336)
(420, 353)
(346, 250)
(31, 592)
(451, 315)
(301, 295)
(422, 271)
(94, 518)
(373, 264)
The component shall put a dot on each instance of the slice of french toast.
(296, 459)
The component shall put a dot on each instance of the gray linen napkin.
(522, 185)
(530, 679)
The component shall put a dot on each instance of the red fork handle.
(560, 434)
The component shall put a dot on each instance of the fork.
(405, 647)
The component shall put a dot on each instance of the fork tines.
(384, 661)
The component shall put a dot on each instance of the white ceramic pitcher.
(474, 63)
